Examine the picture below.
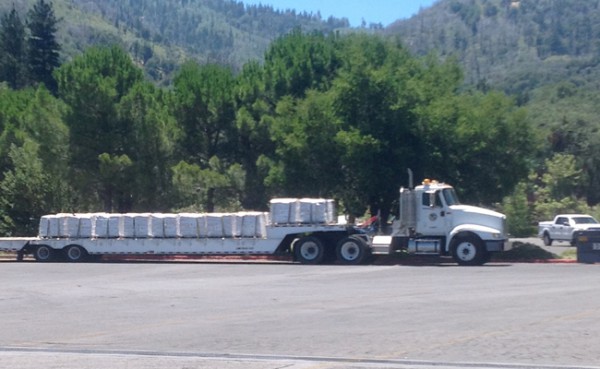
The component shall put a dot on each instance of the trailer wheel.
(309, 250)
(43, 253)
(75, 254)
(547, 239)
(351, 250)
(469, 251)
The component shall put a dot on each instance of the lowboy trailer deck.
(308, 243)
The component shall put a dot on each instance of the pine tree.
(43, 47)
(12, 50)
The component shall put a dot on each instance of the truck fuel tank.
(424, 246)
(384, 245)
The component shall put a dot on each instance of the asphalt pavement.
(259, 315)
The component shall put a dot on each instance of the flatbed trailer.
(309, 244)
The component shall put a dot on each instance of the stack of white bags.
(188, 225)
(154, 225)
(302, 211)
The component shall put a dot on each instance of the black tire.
(75, 254)
(309, 250)
(547, 239)
(44, 253)
(351, 250)
(469, 251)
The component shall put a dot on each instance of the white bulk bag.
(283, 211)
(86, 225)
(142, 225)
(188, 225)
(232, 225)
(171, 225)
(44, 228)
(127, 225)
(68, 225)
(100, 225)
(214, 226)
(253, 224)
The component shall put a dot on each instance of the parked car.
(565, 226)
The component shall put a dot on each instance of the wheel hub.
(349, 251)
(309, 251)
(466, 251)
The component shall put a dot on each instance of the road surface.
(206, 315)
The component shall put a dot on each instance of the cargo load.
(154, 225)
(302, 211)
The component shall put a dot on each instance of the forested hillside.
(516, 45)
(543, 52)
(162, 34)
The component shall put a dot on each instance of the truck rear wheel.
(351, 250)
(309, 250)
(75, 254)
(469, 250)
(547, 239)
(43, 253)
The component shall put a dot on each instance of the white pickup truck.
(564, 227)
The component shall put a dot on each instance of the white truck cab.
(432, 221)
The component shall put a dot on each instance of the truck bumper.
(495, 245)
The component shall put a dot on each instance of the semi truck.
(431, 221)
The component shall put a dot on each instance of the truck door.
(560, 228)
(432, 219)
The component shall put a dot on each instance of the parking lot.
(266, 314)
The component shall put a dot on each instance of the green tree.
(205, 110)
(580, 138)
(24, 191)
(43, 46)
(93, 85)
(307, 160)
(151, 147)
(558, 186)
(375, 101)
(43, 120)
(518, 212)
(481, 143)
(114, 176)
(254, 116)
(298, 62)
(13, 51)
(34, 152)
(216, 188)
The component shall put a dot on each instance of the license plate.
(596, 246)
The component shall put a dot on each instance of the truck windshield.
(585, 220)
(450, 196)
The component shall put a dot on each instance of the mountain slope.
(544, 52)
(161, 34)
(504, 41)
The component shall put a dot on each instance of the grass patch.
(570, 254)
